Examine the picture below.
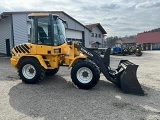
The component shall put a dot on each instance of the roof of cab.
(41, 14)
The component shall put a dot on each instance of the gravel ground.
(55, 98)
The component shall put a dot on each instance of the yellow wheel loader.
(49, 50)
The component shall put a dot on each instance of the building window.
(155, 46)
(92, 35)
(95, 34)
(99, 35)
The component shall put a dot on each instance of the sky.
(117, 17)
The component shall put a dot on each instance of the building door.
(149, 46)
(74, 35)
(8, 50)
(144, 46)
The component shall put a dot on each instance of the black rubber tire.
(139, 54)
(129, 53)
(123, 53)
(51, 72)
(95, 71)
(40, 73)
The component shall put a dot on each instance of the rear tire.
(30, 71)
(85, 74)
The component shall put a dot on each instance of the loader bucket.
(128, 81)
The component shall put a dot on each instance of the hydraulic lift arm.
(124, 76)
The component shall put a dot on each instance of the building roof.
(91, 26)
(127, 41)
(5, 14)
(150, 37)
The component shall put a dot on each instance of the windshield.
(59, 33)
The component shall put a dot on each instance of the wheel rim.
(84, 75)
(29, 71)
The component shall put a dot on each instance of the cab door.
(44, 43)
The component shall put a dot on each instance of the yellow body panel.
(76, 59)
(16, 60)
(42, 49)
(33, 50)
(51, 61)
(73, 56)
(50, 57)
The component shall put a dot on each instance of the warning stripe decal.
(22, 49)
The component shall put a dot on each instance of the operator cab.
(47, 29)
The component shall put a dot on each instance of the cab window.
(43, 31)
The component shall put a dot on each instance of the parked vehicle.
(138, 51)
(119, 50)
(44, 55)
(131, 50)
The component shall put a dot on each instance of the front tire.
(85, 74)
(30, 71)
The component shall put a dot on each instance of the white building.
(15, 29)
(97, 34)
